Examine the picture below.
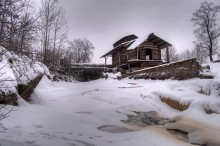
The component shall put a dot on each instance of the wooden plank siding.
(122, 56)
(145, 54)
(132, 54)
(142, 54)
(155, 55)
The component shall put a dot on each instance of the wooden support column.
(137, 53)
(105, 69)
(159, 52)
(119, 58)
(167, 53)
(129, 67)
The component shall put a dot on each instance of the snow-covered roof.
(117, 47)
(137, 42)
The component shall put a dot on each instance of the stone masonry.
(179, 70)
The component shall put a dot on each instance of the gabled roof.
(136, 42)
(157, 40)
(125, 41)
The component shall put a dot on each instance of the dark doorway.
(148, 54)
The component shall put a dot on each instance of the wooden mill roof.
(132, 42)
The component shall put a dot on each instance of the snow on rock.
(113, 75)
(215, 68)
(206, 70)
(8, 80)
(204, 137)
(16, 70)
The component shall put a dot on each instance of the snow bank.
(16, 70)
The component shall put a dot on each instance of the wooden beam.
(137, 52)
(167, 53)
(159, 52)
(105, 69)
(119, 58)
(148, 46)
(129, 67)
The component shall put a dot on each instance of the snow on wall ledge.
(17, 70)
(179, 70)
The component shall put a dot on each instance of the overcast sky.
(104, 22)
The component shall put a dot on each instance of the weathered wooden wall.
(122, 55)
(155, 54)
(132, 54)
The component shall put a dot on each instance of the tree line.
(41, 34)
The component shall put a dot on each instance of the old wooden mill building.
(133, 53)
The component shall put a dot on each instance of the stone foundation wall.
(25, 91)
(179, 70)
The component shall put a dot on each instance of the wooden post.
(137, 53)
(105, 64)
(119, 58)
(167, 53)
(159, 52)
(129, 67)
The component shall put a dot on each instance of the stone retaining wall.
(25, 91)
(179, 70)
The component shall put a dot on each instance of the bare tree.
(207, 30)
(186, 54)
(200, 53)
(80, 50)
(17, 25)
(53, 29)
(59, 37)
(172, 54)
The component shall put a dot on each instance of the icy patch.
(114, 129)
(144, 119)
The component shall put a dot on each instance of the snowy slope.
(64, 114)
(16, 70)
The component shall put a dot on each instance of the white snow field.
(90, 113)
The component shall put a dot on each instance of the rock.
(144, 119)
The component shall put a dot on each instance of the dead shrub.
(205, 91)
(174, 104)
(209, 110)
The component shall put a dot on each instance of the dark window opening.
(148, 54)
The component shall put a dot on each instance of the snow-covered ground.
(63, 114)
